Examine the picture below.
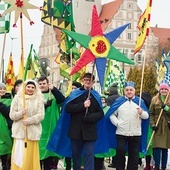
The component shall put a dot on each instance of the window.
(139, 58)
(129, 26)
(130, 5)
(129, 36)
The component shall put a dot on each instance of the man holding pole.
(85, 110)
(125, 121)
(160, 123)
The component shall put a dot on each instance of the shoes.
(111, 166)
(148, 167)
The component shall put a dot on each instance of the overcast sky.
(160, 15)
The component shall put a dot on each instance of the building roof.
(162, 33)
(108, 11)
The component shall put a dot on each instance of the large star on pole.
(98, 47)
(19, 7)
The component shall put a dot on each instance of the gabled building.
(112, 15)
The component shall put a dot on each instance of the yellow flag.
(10, 75)
(143, 26)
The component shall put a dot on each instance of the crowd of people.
(39, 126)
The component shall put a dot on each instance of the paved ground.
(61, 165)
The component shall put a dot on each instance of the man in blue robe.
(127, 125)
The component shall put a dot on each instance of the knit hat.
(2, 85)
(113, 89)
(163, 86)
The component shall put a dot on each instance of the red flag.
(143, 26)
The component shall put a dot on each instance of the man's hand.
(51, 86)
(87, 103)
(139, 110)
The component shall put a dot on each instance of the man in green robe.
(54, 99)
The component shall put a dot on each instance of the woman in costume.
(27, 111)
(161, 138)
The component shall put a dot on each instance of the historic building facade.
(125, 11)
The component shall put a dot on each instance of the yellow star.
(19, 7)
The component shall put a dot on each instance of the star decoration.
(98, 47)
(19, 7)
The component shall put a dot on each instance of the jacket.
(161, 137)
(81, 127)
(34, 115)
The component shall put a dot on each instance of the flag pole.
(51, 46)
(88, 97)
(22, 63)
(143, 71)
(2, 58)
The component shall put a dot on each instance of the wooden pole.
(88, 97)
(142, 78)
(51, 46)
(23, 84)
(2, 58)
(160, 114)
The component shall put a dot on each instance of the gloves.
(48, 103)
(165, 107)
(154, 128)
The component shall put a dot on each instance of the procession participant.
(127, 118)
(27, 112)
(54, 99)
(161, 138)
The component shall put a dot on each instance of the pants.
(98, 163)
(133, 143)
(68, 163)
(160, 155)
(49, 163)
(77, 146)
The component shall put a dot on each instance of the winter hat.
(163, 86)
(113, 89)
(2, 85)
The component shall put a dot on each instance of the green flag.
(114, 74)
(5, 20)
(60, 11)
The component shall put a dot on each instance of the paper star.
(19, 7)
(98, 47)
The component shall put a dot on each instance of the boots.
(4, 167)
(156, 168)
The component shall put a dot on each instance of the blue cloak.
(111, 129)
(60, 143)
